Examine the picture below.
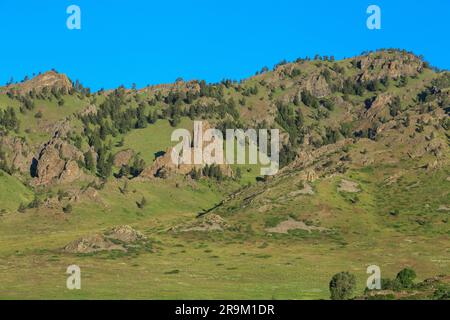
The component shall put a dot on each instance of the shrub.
(389, 284)
(142, 204)
(342, 285)
(68, 208)
(35, 203)
(38, 115)
(22, 208)
(406, 277)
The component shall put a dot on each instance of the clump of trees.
(395, 106)
(9, 120)
(309, 99)
(213, 171)
(209, 171)
(134, 169)
(404, 280)
(291, 121)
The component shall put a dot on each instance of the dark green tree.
(342, 286)
(406, 277)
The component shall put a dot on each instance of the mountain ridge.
(364, 157)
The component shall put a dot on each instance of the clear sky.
(150, 42)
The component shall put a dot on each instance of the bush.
(68, 208)
(406, 277)
(142, 204)
(22, 208)
(38, 115)
(35, 203)
(389, 284)
(342, 285)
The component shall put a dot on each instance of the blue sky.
(150, 42)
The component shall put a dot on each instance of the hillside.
(365, 179)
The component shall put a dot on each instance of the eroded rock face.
(17, 153)
(380, 65)
(57, 163)
(318, 86)
(70, 173)
(60, 129)
(379, 107)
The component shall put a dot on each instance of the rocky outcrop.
(348, 186)
(92, 243)
(60, 129)
(70, 173)
(291, 224)
(118, 238)
(318, 86)
(125, 234)
(90, 194)
(163, 166)
(207, 223)
(17, 154)
(378, 107)
(49, 80)
(123, 157)
(89, 110)
(57, 163)
(391, 64)
(165, 163)
(178, 87)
